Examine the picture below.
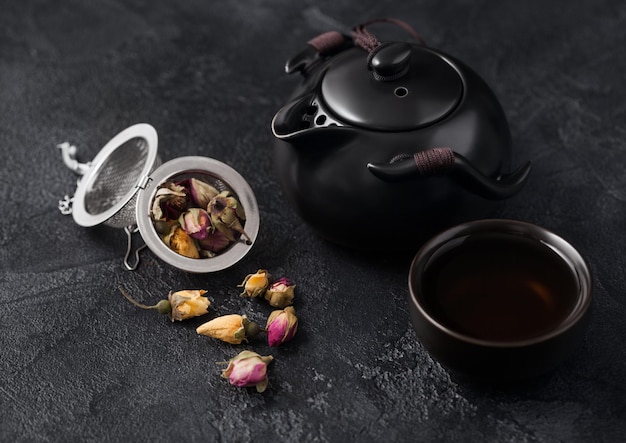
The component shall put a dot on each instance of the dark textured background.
(79, 363)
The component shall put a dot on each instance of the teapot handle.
(444, 161)
(332, 42)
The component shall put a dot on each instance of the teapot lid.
(407, 87)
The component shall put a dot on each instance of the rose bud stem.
(163, 306)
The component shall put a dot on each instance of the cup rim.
(506, 226)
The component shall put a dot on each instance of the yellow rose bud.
(187, 304)
(255, 284)
(179, 241)
(229, 328)
(180, 305)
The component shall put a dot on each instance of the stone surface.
(79, 363)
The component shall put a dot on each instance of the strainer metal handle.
(130, 230)
(68, 153)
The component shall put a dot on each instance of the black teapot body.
(381, 151)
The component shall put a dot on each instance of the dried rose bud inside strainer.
(195, 219)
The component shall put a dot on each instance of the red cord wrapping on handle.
(327, 42)
(368, 41)
(435, 161)
(330, 41)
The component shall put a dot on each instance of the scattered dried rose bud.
(179, 241)
(188, 303)
(227, 215)
(195, 222)
(169, 202)
(280, 293)
(232, 328)
(281, 326)
(248, 369)
(180, 305)
(255, 284)
(201, 192)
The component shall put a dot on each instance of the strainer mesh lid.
(107, 192)
(116, 177)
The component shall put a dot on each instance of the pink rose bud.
(214, 242)
(248, 369)
(201, 192)
(227, 215)
(281, 326)
(196, 223)
(169, 202)
(280, 293)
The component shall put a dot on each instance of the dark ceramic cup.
(499, 301)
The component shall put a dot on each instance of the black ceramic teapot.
(384, 144)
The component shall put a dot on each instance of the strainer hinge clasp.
(143, 182)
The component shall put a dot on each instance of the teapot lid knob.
(390, 61)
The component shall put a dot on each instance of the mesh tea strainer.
(118, 186)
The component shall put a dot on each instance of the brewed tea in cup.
(499, 300)
(499, 287)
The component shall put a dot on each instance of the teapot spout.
(440, 161)
(291, 118)
(305, 116)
